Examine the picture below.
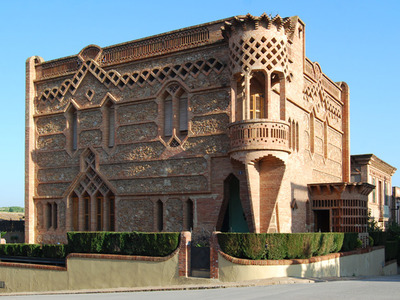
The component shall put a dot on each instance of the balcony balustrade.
(260, 134)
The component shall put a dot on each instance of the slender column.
(30, 147)
(268, 96)
(247, 78)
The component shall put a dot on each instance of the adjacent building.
(221, 126)
(369, 168)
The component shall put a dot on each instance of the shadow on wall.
(299, 209)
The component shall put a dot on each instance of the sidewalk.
(190, 283)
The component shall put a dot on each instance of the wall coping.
(94, 256)
(269, 262)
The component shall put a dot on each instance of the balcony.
(260, 134)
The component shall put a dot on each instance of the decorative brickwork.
(193, 129)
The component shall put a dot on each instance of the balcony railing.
(259, 134)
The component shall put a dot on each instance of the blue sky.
(354, 41)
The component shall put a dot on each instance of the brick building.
(369, 168)
(221, 126)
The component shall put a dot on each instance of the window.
(109, 118)
(312, 132)
(112, 213)
(49, 215)
(257, 92)
(99, 212)
(159, 215)
(374, 191)
(168, 116)
(86, 202)
(188, 215)
(75, 212)
(175, 106)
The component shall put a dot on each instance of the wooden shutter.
(183, 114)
(168, 117)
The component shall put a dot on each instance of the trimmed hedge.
(126, 243)
(280, 245)
(33, 250)
(379, 237)
(350, 241)
(391, 249)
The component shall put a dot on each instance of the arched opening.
(75, 212)
(109, 124)
(257, 96)
(234, 219)
(72, 120)
(188, 215)
(86, 212)
(111, 216)
(99, 211)
(159, 212)
(278, 99)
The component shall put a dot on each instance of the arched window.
(312, 132)
(175, 106)
(257, 96)
(86, 212)
(109, 124)
(75, 212)
(188, 215)
(99, 212)
(159, 212)
(72, 119)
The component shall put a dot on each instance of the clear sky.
(356, 41)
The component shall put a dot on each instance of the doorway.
(322, 218)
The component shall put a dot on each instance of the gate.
(200, 261)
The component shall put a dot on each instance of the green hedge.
(391, 250)
(280, 245)
(33, 250)
(350, 241)
(379, 237)
(127, 243)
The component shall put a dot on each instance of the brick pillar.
(30, 147)
(184, 253)
(214, 247)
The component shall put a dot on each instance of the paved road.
(369, 288)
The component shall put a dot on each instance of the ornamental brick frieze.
(50, 124)
(316, 96)
(169, 167)
(210, 124)
(137, 133)
(138, 112)
(140, 151)
(161, 185)
(112, 79)
(210, 102)
(214, 144)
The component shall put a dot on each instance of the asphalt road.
(368, 288)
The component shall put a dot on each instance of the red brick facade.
(219, 126)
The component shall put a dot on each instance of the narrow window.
(99, 213)
(112, 213)
(294, 135)
(297, 136)
(374, 191)
(312, 132)
(55, 216)
(168, 116)
(86, 213)
(189, 215)
(326, 139)
(386, 193)
(111, 126)
(75, 213)
(290, 134)
(74, 130)
(159, 215)
(257, 91)
(183, 114)
(49, 213)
